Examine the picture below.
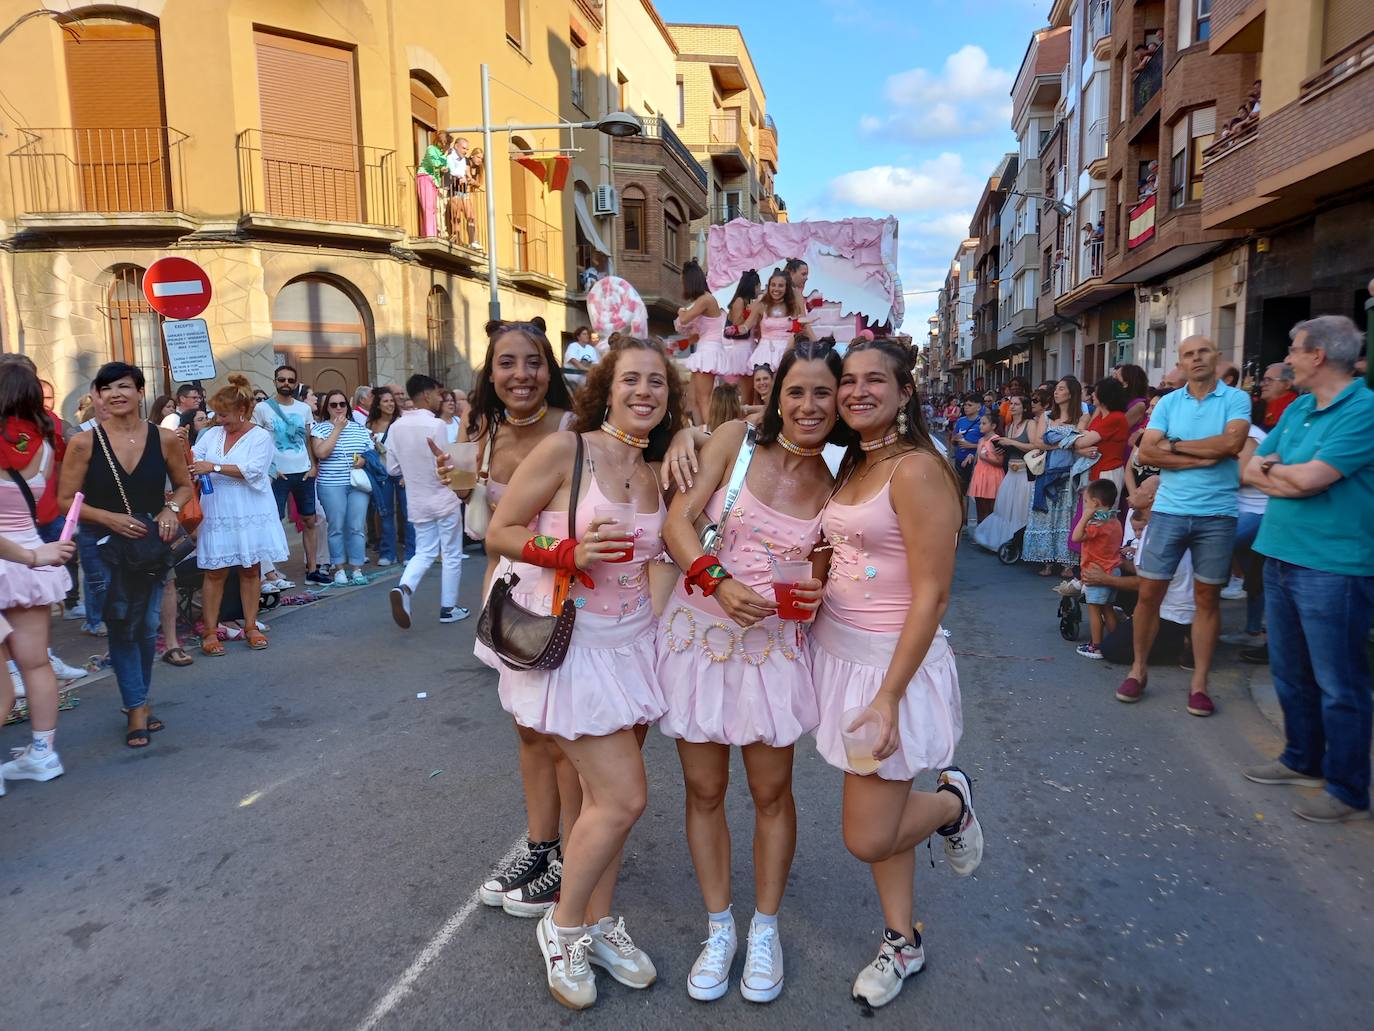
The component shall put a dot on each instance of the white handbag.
(359, 480)
(477, 510)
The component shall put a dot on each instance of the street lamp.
(1063, 210)
(616, 124)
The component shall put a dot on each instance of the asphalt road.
(300, 848)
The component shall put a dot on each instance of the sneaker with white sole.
(538, 896)
(28, 765)
(964, 837)
(1234, 589)
(614, 951)
(762, 980)
(269, 587)
(382, 563)
(359, 578)
(897, 959)
(710, 976)
(400, 607)
(63, 671)
(1276, 772)
(566, 965)
(454, 615)
(1089, 651)
(340, 578)
(77, 611)
(527, 864)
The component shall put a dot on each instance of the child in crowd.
(988, 470)
(1099, 531)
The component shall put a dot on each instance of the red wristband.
(706, 574)
(552, 553)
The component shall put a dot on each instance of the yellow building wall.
(640, 51)
(1292, 50)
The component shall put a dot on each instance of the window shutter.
(1204, 121)
(514, 22)
(1180, 135)
(1346, 22)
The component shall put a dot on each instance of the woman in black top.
(128, 504)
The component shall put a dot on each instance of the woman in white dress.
(1012, 508)
(241, 526)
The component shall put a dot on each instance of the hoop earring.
(901, 421)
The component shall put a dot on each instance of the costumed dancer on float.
(519, 399)
(598, 702)
(733, 662)
(885, 676)
(779, 318)
(715, 355)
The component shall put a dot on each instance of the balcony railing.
(1095, 142)
(1090, 260)
(659, 129)
(458, 223)
(722, 213)
(1146, 82)
(1100, 20)
(728, 131)
(301, 177)
(534, 245)
(98, 171)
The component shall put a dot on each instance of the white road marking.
(403, 985)
(178, 289)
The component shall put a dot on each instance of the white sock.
(568, 932)
(723, 917)
(765, 919)
(42, 742)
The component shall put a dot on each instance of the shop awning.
(588, 224)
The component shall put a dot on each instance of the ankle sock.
(43, 742)
(536, 847)
(765, 919)
(723, 917)
(567, 932)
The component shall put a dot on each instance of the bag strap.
(114, 468)
(736, 483)
(26, 491)
(488, 446)
(277, 408)
(562, 581)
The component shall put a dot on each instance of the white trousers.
(441, 539)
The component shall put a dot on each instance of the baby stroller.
(1070, 616)
(188, 579)
(1003, 531)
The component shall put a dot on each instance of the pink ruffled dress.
(20, 586)
(775, 339)
(855, 635)
(730, 685)
(607, 681)
(715, 354)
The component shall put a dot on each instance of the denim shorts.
(1209, 539)
(1100, 594)
(297, 486)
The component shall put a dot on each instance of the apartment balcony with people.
(460, 238)
(1147, 71)
(100, 179)
(307, 186)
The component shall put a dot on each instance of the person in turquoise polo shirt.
(1193, 438)
(1317, 466)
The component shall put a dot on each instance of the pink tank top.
(775, 327)
(752, 538)
(707, 329)
(869, 585)
(621, 587)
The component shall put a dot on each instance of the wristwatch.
(219, 468)
(1173, 448)
(173, 507)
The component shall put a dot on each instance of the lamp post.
(1063, 210)
(617, 123)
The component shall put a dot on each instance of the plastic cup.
(464, 457)
(786, 577)
(859, 731)
(621, 526)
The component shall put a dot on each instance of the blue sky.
(895, 107)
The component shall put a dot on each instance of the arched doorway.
(134, 330)
(439, 320)
(321, 330)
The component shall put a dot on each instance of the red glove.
(706, 574)
(796, 326)
(552, 553)
(814, 303)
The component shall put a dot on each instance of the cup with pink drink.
(619, 526)
(787, 577)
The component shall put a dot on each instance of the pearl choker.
(878, 445)
(804, 452)
(529, 420)
(625, 438)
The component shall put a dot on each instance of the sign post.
(178, 289)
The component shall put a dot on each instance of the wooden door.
(119, 139)
(342, 370)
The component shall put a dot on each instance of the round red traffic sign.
(176, 288)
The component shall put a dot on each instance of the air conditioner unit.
(606, 201)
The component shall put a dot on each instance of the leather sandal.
(212, 646)
(177, 657)
(257, 640)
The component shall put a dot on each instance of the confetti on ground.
(422, 694)
(435, 774)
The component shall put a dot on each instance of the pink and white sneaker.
(897, 959)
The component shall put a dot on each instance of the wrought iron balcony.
(306, 179)
(102, 171)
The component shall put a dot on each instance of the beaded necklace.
(625, 438)
(528, 420)
(804, 452)
(878, 445)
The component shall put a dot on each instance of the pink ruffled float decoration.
(614, 306)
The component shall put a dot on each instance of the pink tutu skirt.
(721, 358)
(607, 681)
(25, 588)
(849, 665)
(5, 628)
(769, 352)
(733, 686)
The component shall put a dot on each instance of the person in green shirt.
(1317, 466)
(427, 178)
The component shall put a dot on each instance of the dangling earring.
(901, 421)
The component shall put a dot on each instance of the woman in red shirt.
(1108, 431)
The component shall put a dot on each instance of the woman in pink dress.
(519, 400)
(877, 647)
(736, 674)
(779, 317)
(715, 355)
(598, 703)
(29, 580)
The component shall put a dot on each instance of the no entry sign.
(176, 288)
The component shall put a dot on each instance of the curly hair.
(236, 394)
(592, 400)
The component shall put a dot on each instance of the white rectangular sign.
(188, 349)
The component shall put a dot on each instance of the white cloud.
(967, 97)
(933, 186)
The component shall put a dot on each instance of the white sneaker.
(359, 578)
(614, 951)
(26, 766)
(710, 976)
(270, 587)
(340, 578)
(964, 843)
(454, 615)
(64, 672)
(762, 980)
(382, 563)
(400, 607)
(1234, 590)
(897, 959)
(570, 976)
(77, 611)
